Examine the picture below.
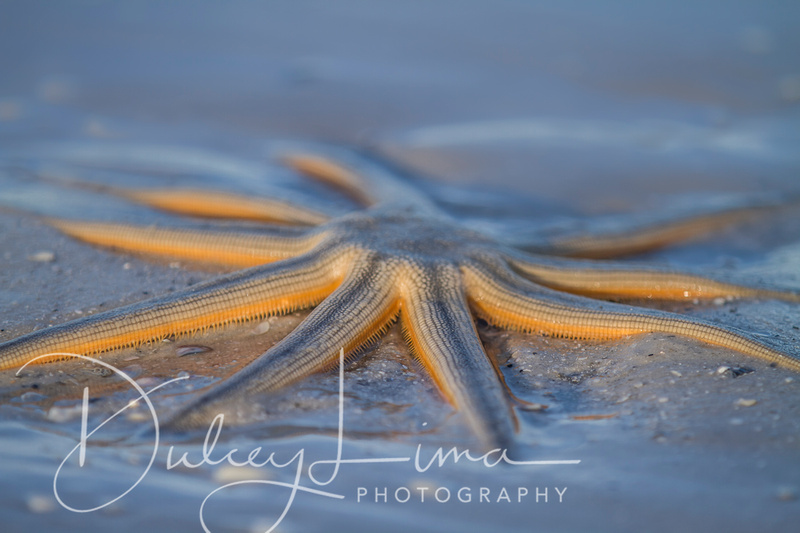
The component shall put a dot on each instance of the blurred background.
(542, 96)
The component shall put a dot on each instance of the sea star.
(402, 256)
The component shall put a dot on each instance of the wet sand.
(574, 109)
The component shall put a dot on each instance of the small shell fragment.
(742, 402)
(31, 396)
(43, 256)
(531, 406)
(39, 503)
(583, 418)
(147, 382)
(99, 371)
(137, 416)
(232, 474)
(191, 349)
(64, 414)
(262, 328)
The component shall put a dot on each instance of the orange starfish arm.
(622, 281)
(244, 295)
(508, 301)
(228, 248)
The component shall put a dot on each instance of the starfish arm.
(220, 247)
(247, 294)
(508, 301)
(332, 173)
(358, 312)
(217, 204)
(152, 160)
(633, 242)
(623, 281)
(361, 177)
(440, 331)
(639, 237)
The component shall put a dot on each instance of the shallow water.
(541, 111)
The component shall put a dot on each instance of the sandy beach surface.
(515, 114)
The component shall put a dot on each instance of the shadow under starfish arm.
(620, 281)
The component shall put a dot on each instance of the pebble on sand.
(40, 503)
(42, 256)
(742, 402)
